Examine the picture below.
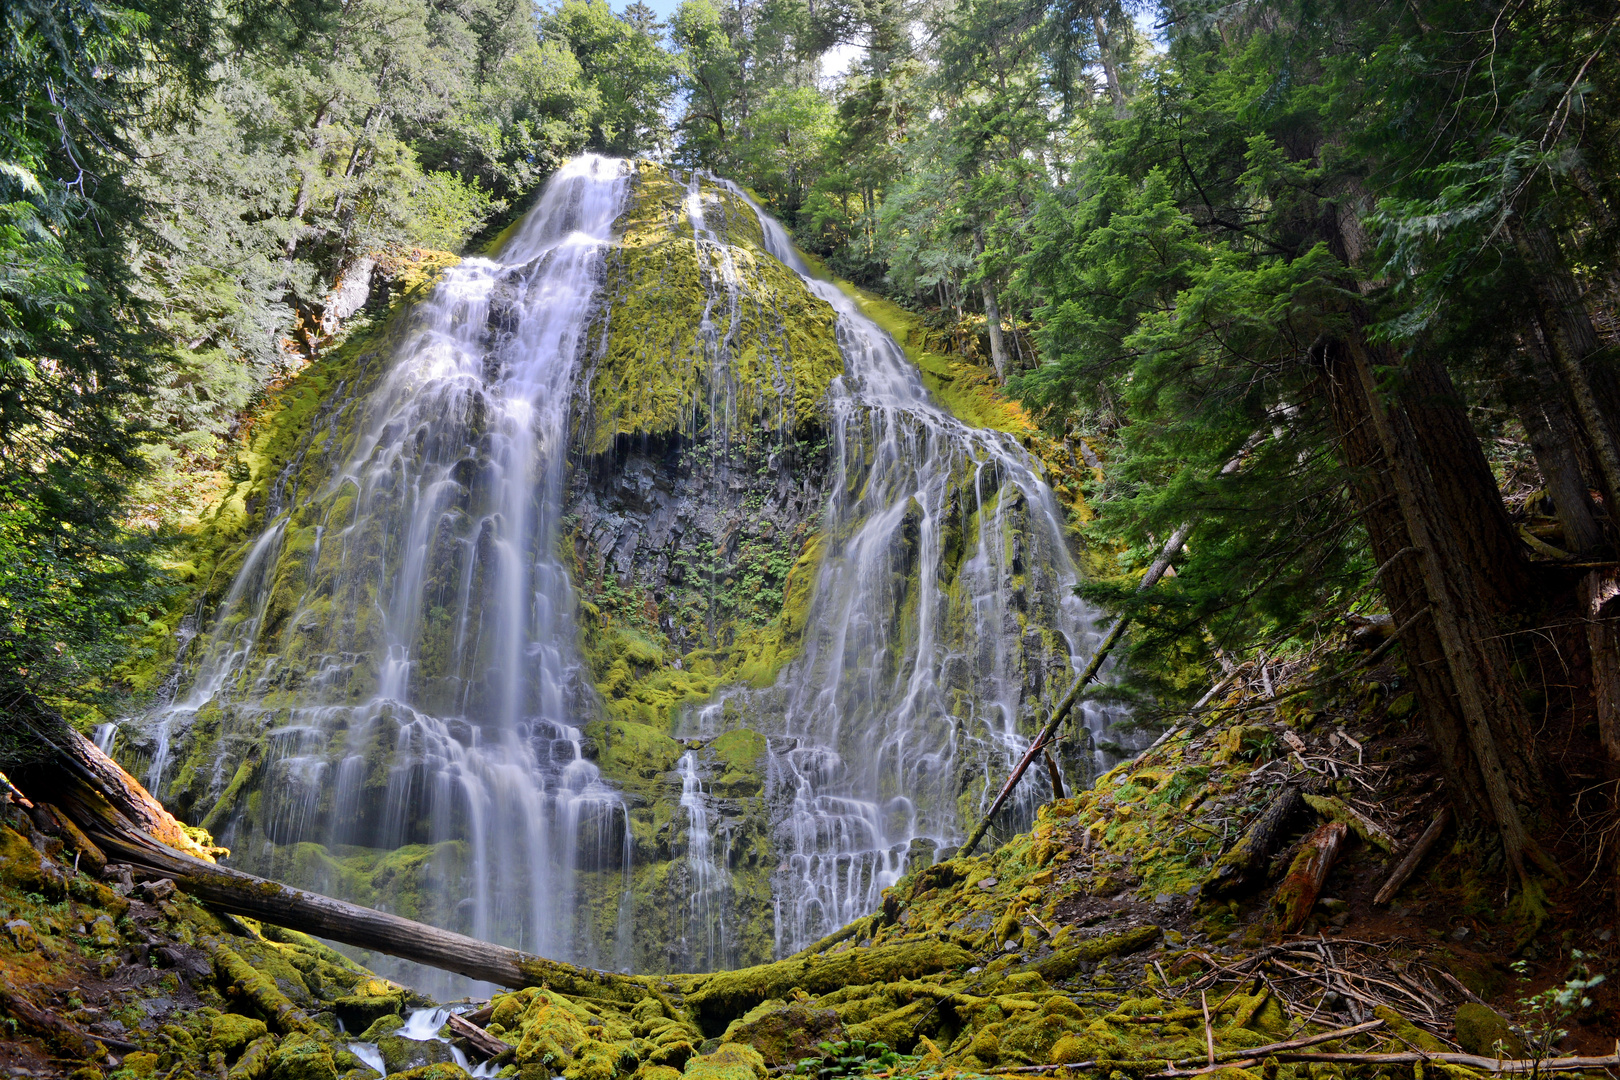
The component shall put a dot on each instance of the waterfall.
(869, 752)
(708, 880)
(417, 681)
(398, 652)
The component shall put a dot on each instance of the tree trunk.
(992, 314)
(1401, 582)
(1600, 603)
(1489, 703)
(1574, 342)
(1110, 66)
(1466, 496)
(1560, 470)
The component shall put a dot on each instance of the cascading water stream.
(866, 756)
(423, 689)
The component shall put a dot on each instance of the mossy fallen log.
(1335, 809)
(1244, 866)
(725, 996)
(242, 980)
(67, 1036)
(1065, 962)
(255, 1060)
(1299, 889)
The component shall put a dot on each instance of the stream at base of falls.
(425, 698)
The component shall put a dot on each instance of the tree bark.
(1489, 704)
(1600, 603)
(1467, 498)
(1244, 866)
(992, 314)
(1298, 892)
(1110, 65)
(1400, 580)
(1559, 466)
(1574, 342)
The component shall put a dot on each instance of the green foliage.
(1542, 1015)
(623, 66)
(851, 1058)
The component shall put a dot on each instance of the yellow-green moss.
(655, 375)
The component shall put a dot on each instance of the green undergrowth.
(1084, 939)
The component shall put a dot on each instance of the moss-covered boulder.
(732, 1061)
(230, 1033)
(784, 1032)
(302, 1057)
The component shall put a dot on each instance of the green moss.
(656, 375)
(230, 1033)
(732, 1061)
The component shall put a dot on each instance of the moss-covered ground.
(1087, 938)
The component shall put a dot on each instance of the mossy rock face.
(691, 260)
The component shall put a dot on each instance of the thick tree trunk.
(1466, 496)
(1401, 582)
(1494, 722)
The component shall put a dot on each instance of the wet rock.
(401, 1054)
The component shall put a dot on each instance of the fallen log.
(125, 793)
(1224, 1059)
(1244, 866)
(480, 1040)
(242, 980)
(1472, 1061)
(1336, 809)
(722, 997)
(238, 893)
(67, 1036)
(1303, 884)
(715, 999)
(1408, 866)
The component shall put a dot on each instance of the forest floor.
(1089, 938)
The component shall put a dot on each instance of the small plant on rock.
(835, 1059)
